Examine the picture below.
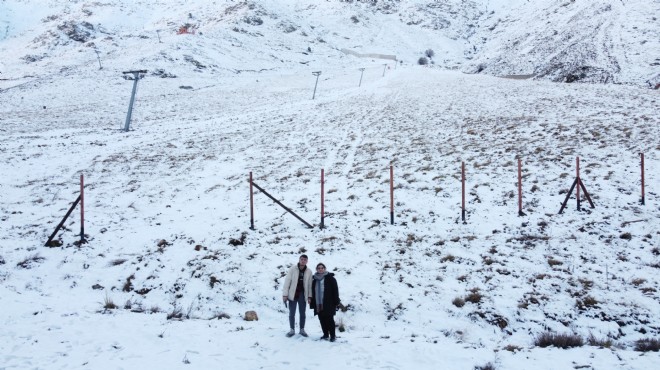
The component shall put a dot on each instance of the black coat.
(330, 295)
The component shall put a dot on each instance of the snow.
(163, 201)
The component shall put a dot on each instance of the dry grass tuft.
(553, 262)
(602, 343)
(586, 302)
(512, 348)
(639, 281)
(108, 304)
(30, 261)
(128, 285)
(474, 297)
(219, 315)
(448, 257)
(647, 345)
(117, 262)
(488, 366)
(558, 340)
(586, 283)
(239, 241)
(458, 302)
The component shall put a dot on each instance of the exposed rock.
(80, 32)
(251, 316)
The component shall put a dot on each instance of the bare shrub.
(540, 276)
(558, 340)
(638, 281)
(458, 302)
(488, 366)
(553, 262)
(647, 345)
(429, 53)
(586, 283)
(128, 285)
(512, 348)
(586, 302)
(448, 257)
(213, 281)
(474, 297)
(239, 241)
(603, 343)
(176, 314)
(29, 262)
(412, 238)
(219, 315)
(117, 262)
(626, 236)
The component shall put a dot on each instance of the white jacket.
(291, 281)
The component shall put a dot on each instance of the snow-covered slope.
(167, 211)
(604, 41)
(608, 41)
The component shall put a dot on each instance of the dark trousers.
(302, 306)
(327, 324)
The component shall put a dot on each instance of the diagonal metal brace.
(568, 195)
(282, 205)
(586, 193)
(576, 182)
(62, 222)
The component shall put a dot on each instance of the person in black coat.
(325, 300)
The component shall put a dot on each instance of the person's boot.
(303, 333)
(290, 333)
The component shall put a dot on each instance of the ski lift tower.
(136, 76)
(317, 74)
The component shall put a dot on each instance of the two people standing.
(319, 290)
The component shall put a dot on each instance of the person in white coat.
(297, 290)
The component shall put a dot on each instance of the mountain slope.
(611, 41)
(170, 264)
(608, 41)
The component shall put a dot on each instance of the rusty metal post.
(82, 209)
(251, 204)
(520, 208)
(577, 176)
(391, 195)
(463, 191)
(643, 197)
(322, 198)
